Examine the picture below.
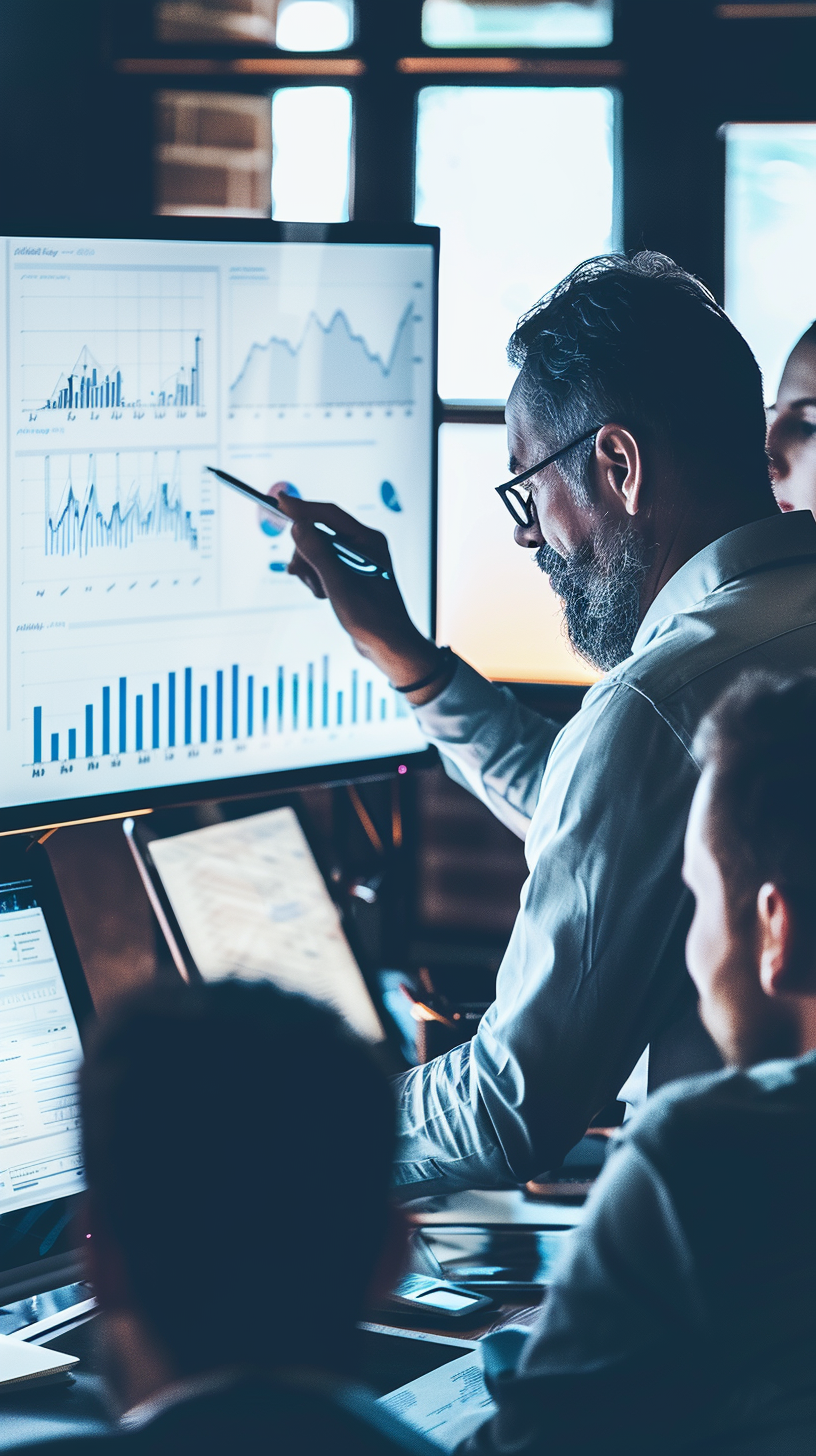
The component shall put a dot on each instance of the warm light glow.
(494, 606)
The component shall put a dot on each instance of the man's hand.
(371, 610)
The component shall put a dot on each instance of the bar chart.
(128, 340)
(190, 708)
(88, 387)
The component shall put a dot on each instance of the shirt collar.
(761, 544)
(191, 1387)
(176, 1394)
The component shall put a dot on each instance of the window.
(547, 23)
(291, 25)
(494, 606)
(515, 160)
(521, 181)
(311, 137)
(314, 25)
(770, 224)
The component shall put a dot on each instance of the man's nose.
(527, 536)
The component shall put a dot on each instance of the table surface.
(392, 1352)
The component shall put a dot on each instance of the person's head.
(792, 429)
(238, 1145)
(750, 861)
(637, 351)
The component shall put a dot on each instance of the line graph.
(79, 524)
(330, 366)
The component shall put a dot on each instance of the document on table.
(446, 1405)
(251, 901)
(20, 1362)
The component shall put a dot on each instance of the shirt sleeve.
(619, 1327)
(594, 967)
(491, 743)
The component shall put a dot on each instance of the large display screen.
(153, 638)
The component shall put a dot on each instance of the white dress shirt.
(595, 970)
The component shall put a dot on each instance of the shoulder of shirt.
(687, 646)
(681, 663)
(733, 1096)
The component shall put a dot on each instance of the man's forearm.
(445, 1140)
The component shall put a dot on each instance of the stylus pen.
(344, 549)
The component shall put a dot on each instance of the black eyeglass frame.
(510, 495)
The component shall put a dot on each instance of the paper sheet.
(20, 1362)
(447, 1404)
(251, 901)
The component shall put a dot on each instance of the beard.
(600, 586)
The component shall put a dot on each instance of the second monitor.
(154, 646)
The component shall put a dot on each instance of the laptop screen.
(251, 901)
(40, 1053)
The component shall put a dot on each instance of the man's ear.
(776, 930)
(619, 465)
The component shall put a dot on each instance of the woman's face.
(792, 433)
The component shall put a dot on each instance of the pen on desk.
(345, 550)
(422, 1012)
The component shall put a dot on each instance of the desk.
(494, 1208)
(390, 1352)
(395, 1350)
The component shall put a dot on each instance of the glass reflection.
(770, 223)
(548, 23)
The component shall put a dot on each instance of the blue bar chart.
(157, 713)
(89, 387)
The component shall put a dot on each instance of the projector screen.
(153, 641)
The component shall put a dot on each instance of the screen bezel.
(32, 863)
(167, 825)
(47, 813)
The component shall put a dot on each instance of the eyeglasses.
(520, 506)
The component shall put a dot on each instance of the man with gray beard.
(637, 444)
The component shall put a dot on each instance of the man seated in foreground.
(239, 1146)
(683, 1317)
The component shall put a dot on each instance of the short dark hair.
(760, 742)
(642, 343)
(808, 337)
(239, 1145)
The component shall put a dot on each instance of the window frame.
(682, 70)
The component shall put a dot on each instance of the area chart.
(331, 365)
